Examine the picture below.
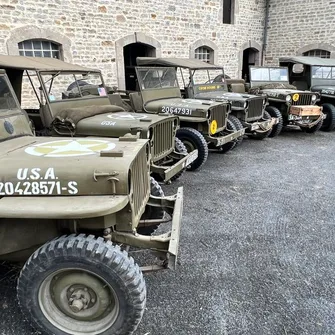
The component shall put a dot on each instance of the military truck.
(318, 75)
(203, 123)
(200, 80)
(293, 106)
(66, 207)
(65, 107)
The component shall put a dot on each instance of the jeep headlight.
(314, 97)
(288, 98)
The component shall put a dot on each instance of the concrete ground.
(257, 246)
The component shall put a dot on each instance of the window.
(317, 53)
(39, 48)
(205, 54)
(228, 11)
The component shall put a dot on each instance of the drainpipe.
(265, 33)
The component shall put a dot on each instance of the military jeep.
(203, 123)
(69, 209)
(66, 107)
(200, 80)
(318, 75)
(293, 106)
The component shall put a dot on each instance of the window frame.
(231, 10)
(51, 48)
(313, 53)
(210, 53)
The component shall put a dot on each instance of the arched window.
(205, 54)
(317, 53)
(40, 48)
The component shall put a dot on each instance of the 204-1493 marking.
(177, 110)
(39, 184)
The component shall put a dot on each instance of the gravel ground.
(257, 246)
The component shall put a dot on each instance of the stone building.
(110, 34)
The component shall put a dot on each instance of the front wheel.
(313, 129)
(262, 136)
(277, 128)
(238, 125)
(329, 121)
(82, 285)
(230, 145)
(192, 139)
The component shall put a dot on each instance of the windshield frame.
(11, 90)
(54, 74)
(269, 73)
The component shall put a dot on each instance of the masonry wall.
(298, 26)
(89, 29)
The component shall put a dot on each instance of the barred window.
(205, 54)
(317, 53)
(39, 48)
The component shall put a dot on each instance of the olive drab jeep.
(200, 80)
(317, 75)
(72, 101)
(65, 207)
(293, 106)
(203, 124)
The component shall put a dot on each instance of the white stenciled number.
(44, 187)
(35, 188)
(26, 186)
(72, 187)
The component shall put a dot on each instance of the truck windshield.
(157, 78)
(274, 74)
(7, 100)
(63, 85)
(205, 76)
(323, 72)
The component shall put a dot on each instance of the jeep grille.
(218, 113)
(304, 99)
(140, 183)
(255, 109)
(163, 139)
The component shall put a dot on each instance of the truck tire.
(82, 285)
(277, 128)
(192, 139)
(314, 129)
(180, 148)
(329, 121)
(230, 145)
(150, 211)
(238, 125)
(262, 136)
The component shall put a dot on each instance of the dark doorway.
(250, 57)
(130, 53)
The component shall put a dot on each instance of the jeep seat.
(236, 85)
(136, 101)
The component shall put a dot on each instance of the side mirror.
(298, 68)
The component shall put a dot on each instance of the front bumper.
(165, 245)
(183, 161)
(305, 116)
(219, 141)
(260, 126)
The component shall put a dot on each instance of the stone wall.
(89, 30)
(299, 26)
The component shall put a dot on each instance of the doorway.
(130, 53)
(250, 57)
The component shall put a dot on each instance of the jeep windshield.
(323, 72)
(157, 78)
(269, 74)
(7, 99)
(64, 85)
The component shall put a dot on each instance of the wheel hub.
(80, 299)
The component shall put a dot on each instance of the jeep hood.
(118, 124)
(230, 96)
(37, 166)
(182, 107)
(324, 89)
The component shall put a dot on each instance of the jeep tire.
(152, 212)
(82, 285)
(329, 121)
(238, 125)
(193, 139)
(277, 128)
(262, 136)
(230, 145)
